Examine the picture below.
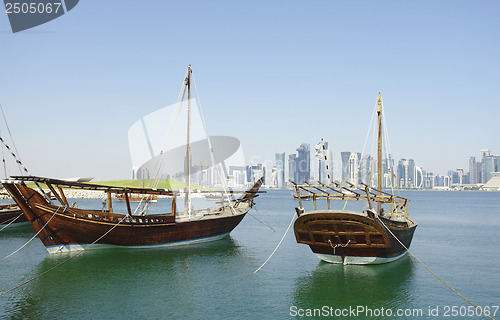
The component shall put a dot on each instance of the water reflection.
(160, 281)
(374, 286)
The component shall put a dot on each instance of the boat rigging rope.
(420, 261)
(279, 243)
(222, 179)
(62, 262)
(36, 234)
(18, 162)
(261, 221)
(368, 134)
(13, 220)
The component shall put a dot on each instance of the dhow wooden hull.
(348, 237)
(63, 229)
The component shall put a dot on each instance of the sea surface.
(457, 237)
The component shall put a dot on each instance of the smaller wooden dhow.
(354, 236)
(378, 233)
(63, 228)
(300, 194)
(136, 197)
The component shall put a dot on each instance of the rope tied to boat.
(36, 234)
(423, 264)
(279, 243)
(338, 244)
(13, 219)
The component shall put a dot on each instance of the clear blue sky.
(272, 73)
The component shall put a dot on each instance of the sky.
(273, 74)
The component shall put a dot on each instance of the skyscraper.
(329, 167)
(345, 166)
(325, 162)
(280, 169)
(479, 172)
(485, 153)
(353, 168)
(365, 168)
(303, 163)
(419, 177)
(488, 167)
(472, 170)
(401, 174)
(411, 174)
(291, 167)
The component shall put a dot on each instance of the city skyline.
(408, 173)
(294, 72)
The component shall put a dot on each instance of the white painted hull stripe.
(80, 247)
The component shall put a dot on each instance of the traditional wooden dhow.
(10, 213)
(378, 233)
(136, 198)
(63, 228)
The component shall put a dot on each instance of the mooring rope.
(338, 245)
(13, 220)
(24, 245)
(291, 221)
(62, 262)
(461, 296)
(263, 219)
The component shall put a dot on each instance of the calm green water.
(457, 237)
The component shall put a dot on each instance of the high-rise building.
(410, 178)
(303, 163)
(485, 153)
(325, 162)
(353, 168)
(472, 170)
(488, 167)
(419, 177)
(479, 172)
(401, 174)
(430, 180)
(237, 176)
(329, 167)
(454, 178)
(365, 169)
(460, 172)
(345, 166)
(280, 169)
(254, 173)
(291, 167)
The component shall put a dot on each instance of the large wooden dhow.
(378, 231)
(63, 228)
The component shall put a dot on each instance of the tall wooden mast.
(187, 201)
(379, 158)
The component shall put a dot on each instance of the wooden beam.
(110, 205)
(55, 194)
(128, 204)
(63, 196)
